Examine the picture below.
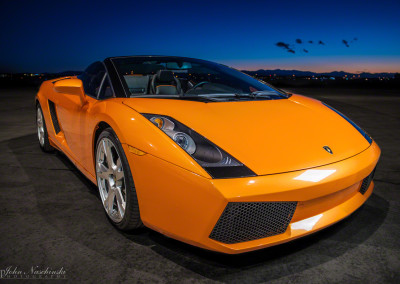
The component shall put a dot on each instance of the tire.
(115, 183)
(43, 136)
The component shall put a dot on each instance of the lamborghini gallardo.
(204, 153)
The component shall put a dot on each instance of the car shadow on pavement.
(69, 202)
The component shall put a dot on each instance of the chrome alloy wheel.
(111, 179)
(40, 126)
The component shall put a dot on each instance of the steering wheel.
(199, 84)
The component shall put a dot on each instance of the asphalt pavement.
(51, 216)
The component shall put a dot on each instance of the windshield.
(176, 76)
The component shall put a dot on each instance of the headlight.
(183, 140)
(217, 162)
(362, 131)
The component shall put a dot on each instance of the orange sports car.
(206, 154)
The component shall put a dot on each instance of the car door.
(73, 114)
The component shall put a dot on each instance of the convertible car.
(205, 154)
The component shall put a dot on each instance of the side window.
(91, 78)
(106, 90)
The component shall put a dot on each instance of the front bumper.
(186, 206)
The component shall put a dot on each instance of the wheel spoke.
(109, 201)
(119, 164)
(119, 176)
(105, 203)
(103, 175)
(109, 155)
(102, 167)
(102, 171)
(120, 202)
(119, 172)
(103, 149)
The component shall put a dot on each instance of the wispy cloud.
(282, 44)
(285, 46)
(347, 43)
(295, 46)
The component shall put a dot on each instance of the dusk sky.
(54, 36)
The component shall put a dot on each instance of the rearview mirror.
(178, 65)
(71, 87)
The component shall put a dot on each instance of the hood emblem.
(327, 149)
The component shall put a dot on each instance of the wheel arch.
(97, 131)
(101, 125)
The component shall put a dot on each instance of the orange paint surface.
(280, 140)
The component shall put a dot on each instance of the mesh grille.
(366, 182)
(53, 115)
(246, 221)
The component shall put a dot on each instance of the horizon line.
(240, 69)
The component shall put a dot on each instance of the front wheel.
(115, 182)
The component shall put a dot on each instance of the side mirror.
(71, 87)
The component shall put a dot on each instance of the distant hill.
(66, 73)
(285, 73)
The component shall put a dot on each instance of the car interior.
(173, 78)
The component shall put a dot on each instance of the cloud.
(282, 44)
(285, 46)
(321, 42)
(345, 42)
(353, 40)
(299, 41)
(310, 41)
(305, 50)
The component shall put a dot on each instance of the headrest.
(165, 76)
(166, 90)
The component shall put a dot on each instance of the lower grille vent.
(246, 221)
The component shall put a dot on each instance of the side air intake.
(366, 182)
(54, 118)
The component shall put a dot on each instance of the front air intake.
(366, 182)
(247, 221)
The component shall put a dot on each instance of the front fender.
(135, 130)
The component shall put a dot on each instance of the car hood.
(268, 136)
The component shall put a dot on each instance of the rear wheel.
(115, 182)
(43, 136)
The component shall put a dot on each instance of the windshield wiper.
(265, 94)
(254, 95)
(221, 95)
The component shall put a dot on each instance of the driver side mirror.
(71, 87)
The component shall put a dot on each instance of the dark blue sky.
(51, 36)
